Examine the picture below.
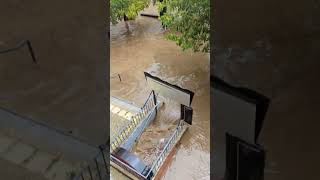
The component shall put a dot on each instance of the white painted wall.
(233, 115)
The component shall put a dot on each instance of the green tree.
(188, 23)
(119, 9)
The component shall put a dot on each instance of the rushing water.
(140, 46)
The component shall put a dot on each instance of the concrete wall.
(273, 48)
(249, 20)
(67, 89)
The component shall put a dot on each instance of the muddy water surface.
(140, 46)
(157, 134)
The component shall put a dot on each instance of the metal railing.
(98, 169)
(147, 108)
(160, 159)
(167, 149)
(127, 168)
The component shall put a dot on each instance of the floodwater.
(155, 136)
(140, 46)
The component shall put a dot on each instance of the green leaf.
(188, 23)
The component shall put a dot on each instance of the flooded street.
(140, 46)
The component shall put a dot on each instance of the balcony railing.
(98, 169)
(146, 110)
(174, 138)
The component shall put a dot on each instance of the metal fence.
(98, 169)
(167, 149)
(147, 108)
(181, 127)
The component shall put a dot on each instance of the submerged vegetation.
(187, 21)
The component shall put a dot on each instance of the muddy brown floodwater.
(142, 47)
(153, 139)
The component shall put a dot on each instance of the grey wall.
(234, 116)
(248, 20)
(67, 89)
(273, 47)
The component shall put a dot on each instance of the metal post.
(182, 111)
(155, 100)
(154, 97)
(119, 77)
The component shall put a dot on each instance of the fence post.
(154, 97)
(119, 77)
(155, 101)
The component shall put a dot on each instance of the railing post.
(154, 97)
(155, 100)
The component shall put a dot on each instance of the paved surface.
(120, 114)
(44, 137)
(34, 160)
(41, 149)
(9, 172)
(117, 122)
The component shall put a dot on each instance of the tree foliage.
(128, 8)
(188, 23)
